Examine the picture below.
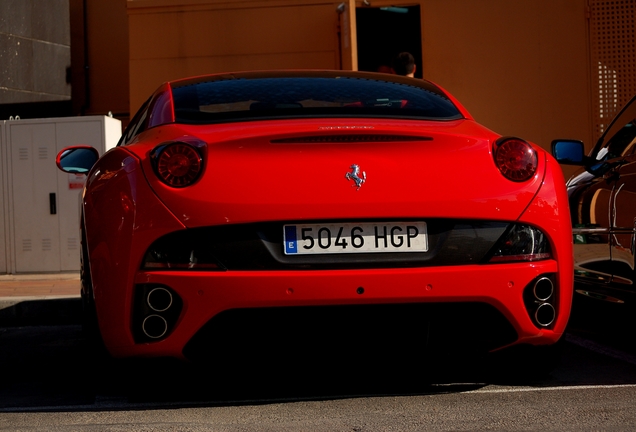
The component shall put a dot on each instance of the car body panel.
(122, 216)
(624, 225)
(603, 204)
(236, 192)
(205, 298)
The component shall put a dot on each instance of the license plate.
(367, 237)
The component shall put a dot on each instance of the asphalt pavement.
(39, 299)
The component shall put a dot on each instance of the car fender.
(551, 206)
(117, 199)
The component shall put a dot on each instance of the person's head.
(404, 64)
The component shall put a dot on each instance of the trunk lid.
(303, 170)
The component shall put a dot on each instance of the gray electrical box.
(40, 204)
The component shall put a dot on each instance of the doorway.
(384, 32)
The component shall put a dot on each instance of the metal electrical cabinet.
(41, 203)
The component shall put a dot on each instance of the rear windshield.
(284, 97)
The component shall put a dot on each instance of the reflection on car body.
(603, 204)
(333, 214)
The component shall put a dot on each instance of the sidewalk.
(40, 285)
(40, 299)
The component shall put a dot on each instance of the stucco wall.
(196, 38)
(521, 68)
(108, 56)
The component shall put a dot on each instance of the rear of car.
(259, 211)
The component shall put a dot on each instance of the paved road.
(50, 379)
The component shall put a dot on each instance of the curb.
(39, 276)
(40, 311)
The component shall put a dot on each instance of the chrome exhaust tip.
(159, 299)
(545, 314)
(543, 289)
(154, 326)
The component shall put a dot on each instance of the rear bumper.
(205, 296)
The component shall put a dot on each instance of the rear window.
(284, 97)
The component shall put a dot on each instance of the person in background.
(404, 64)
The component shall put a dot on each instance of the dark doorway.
(383, 33)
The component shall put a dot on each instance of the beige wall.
(520, 67)
(99, 57)
(110, 66)
(167, 43)
(107, 57)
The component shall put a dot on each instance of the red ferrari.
(323, 212)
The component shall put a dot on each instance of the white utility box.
(40, 203)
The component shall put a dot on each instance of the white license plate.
(367, 237)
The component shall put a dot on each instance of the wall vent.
(23, 153)
(613, 56)
(43, 153)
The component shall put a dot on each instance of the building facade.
(536, 69)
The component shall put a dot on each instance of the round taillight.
(516, 159)
(178, 164)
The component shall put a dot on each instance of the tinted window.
(620, 138)
(283, 97)
(136, 126)
(622, 143)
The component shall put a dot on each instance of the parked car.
(339, 215)
(603, 204)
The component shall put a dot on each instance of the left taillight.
(515, 158)
(177, 164)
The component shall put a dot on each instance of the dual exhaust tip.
(543, 290)
(159, 300)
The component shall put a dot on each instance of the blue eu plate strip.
(291, 246)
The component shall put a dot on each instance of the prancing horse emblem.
(355, 176)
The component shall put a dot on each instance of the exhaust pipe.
(159, 299)
(154, 326)
(543, 289)
(156, 311)
(545, 314)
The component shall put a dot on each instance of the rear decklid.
(303, 169)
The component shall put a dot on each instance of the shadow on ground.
(53, 368)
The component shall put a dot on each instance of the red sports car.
(324, 212)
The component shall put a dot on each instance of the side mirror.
(569, 152)
(77, 159)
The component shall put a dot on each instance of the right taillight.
(177, 164)
(521, 243)
(515, 158)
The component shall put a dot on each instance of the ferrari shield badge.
(356, 177)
